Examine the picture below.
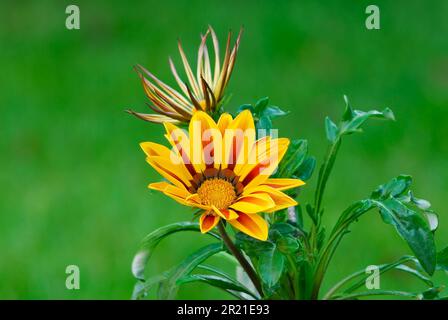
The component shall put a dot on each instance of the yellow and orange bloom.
(203, 91)
(223, 170)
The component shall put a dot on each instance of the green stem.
(241, 259)
(330, 247)
(324, 174)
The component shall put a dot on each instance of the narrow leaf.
(168, 287)
(151, 241)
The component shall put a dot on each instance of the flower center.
(217, 192)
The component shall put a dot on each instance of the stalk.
(241, 259)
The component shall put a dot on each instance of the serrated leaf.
(151, 241)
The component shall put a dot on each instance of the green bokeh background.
(73, 178)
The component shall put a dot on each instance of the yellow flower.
(221, 169)
(202, 92)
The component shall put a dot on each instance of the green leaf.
(306, 169)
(414, 272)
(430, 294)
(270, 266)
(288, 245)
(394, 188)
(331, 130)
(348, 113)
(215, 281)
(151, 241)
(141, 288)
(294, 157)
(273, 112)
(262, 109)
(251, 246)
(264, 123)
(442, 259)
(360, 117)
(261, 105)
(168, 287)
(284, 229)
(413, 229)
(397, 265)
(393, 201)
(352, 120)
(246, 107)
(433, 220)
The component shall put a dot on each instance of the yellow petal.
(176, 193)
(177, 174)
(159, 186)
(204, 136)
(208, 222)
(227, 214)
(238, 139)
(252, 224)
(258, 153)
(283, 184)
(280, 199)
(268, 163)
(179, 139)
(253, 203)
(224, 122)
(155, 149)
(194, 200)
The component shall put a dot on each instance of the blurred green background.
(73, 178)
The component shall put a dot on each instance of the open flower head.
(203, 90)
(223, 170)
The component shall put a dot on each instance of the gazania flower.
(203, 91)
(221, 169)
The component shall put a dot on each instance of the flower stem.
(241, 259)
